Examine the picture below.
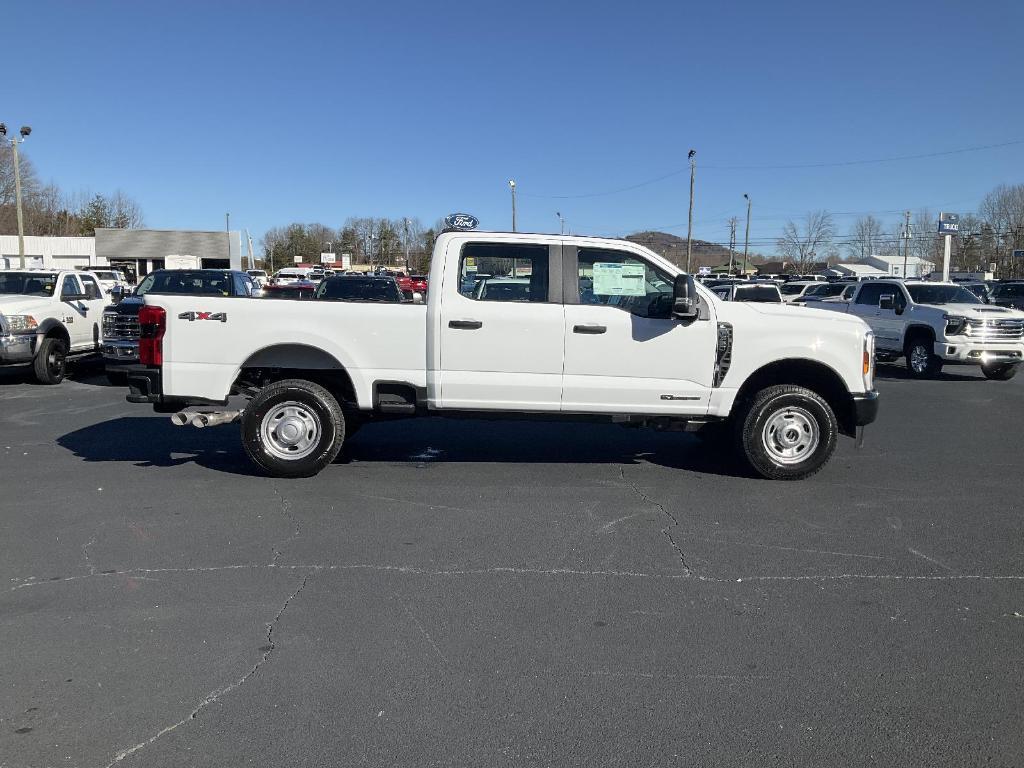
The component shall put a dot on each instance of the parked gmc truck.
(929, 324)
(578, 327)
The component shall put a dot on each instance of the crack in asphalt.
(88, 557)
(674, 523)
(286, 512)
(214, 696)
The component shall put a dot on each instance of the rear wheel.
(50, 364)
(922, 362)
(788, 432)
(293, 428)
(999, 372)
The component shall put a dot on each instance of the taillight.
(152, 324)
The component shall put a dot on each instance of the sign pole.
(945, 257)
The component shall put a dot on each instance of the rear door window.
(504, 272)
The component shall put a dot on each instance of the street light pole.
(512, 186)
(24, 132)
(407, 271)
(561, 221)
(746, 237)
(689, 224)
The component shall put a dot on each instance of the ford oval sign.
(461, 221)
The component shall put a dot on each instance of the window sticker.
(614, 279)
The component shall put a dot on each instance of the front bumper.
(17, 348)
(120, 355)
(865, 408)
(974, 352)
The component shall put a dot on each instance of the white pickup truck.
(929, 324)
(47, 317)
(584, 328)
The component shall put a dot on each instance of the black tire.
(922, 362)
(117, 378)
(999, 372)
(305, 413)
(787, 417)
(51, 364)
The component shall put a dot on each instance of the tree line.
(987, 236)
(47, 210)
(367, 240)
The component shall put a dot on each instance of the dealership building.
(137, 250)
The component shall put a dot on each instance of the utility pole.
(227, 234)
(406, 222)
(561, 221)
(512, 186)
(906, 240)
(689, 225)
(746, 237)
(732, 242)
(24, 133)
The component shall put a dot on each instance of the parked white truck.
(592, 329)
(929, 324)
(47, 317)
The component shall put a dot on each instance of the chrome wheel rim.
(919, 359)
(290, 431)
(790, 435)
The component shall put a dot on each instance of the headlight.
(19, 323)
(955, 324)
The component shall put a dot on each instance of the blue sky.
(309, 111)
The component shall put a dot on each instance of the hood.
(24, 305)
(798, 313)
(976, 310)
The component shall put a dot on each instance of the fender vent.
(723, 353)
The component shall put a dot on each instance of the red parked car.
(413, 284)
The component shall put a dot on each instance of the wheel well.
(57, 331)
(813, 375)
(296, 361)
(918, 331)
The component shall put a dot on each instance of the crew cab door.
(624, 352)
(500, 328)
(80, 316)
(866, 306)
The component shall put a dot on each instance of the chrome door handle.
(594, 329)
(469, 325)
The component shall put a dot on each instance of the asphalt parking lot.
(470, 593)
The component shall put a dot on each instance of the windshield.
(196, 282)
(791, 289)
(357, 289)
(757, 293)
(28, 283)
(106, 275)
(825, 289)
(1009, 291)
(941, 294)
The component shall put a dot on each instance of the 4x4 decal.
(192, 316)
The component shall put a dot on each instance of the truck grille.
(995, 329)
(117, 326)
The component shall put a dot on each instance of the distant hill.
(673, 248)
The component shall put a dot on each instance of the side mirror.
(117, 293)
(684, 293)
(886, 301)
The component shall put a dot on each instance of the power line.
(783, 166)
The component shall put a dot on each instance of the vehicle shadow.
(85, 371)
(898, 372)
(153, 441)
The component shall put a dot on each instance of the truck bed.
(372, 341)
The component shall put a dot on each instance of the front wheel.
(922, 362)
(788, 433)
(50, 364)
(999, 372)
(293, 428)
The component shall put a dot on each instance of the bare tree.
(803, 244)
(865, 238)
(125, 213)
